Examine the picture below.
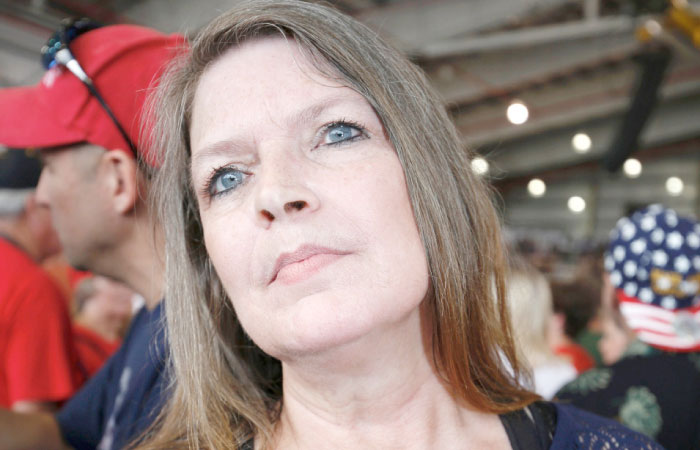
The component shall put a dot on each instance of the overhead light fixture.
(536, 187)
(653, 27)
(632, 168)
(581, 142)
(674, 186)
(480, 166)
(517, 113)
(576, 204)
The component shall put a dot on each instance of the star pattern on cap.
(668, 302)
(628, 231)
(646, 295)
(674, 240)
(619, 253)
(654, 256)
(638, 246)
(657, 236)
(648, 223)
(682, 264)
(689, 287)
(659, 257)
(671, 219)
(642, 275)
(616, 278)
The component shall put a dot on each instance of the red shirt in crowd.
(578, 356)
(93, 350)
(38, 361)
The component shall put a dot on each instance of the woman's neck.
(378, 394)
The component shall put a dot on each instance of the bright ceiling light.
(632, 168)
(576, 204)
(653, 27)
(480, 166)
(674, 186)
(517, 112)
(581, 143)
(536, 187)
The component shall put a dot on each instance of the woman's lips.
(302, 263)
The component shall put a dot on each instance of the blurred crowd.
(615, 331)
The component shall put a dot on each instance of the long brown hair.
(225, 390)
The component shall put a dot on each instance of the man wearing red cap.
(85, 116)
(38, 365)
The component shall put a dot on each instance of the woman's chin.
(319, 344)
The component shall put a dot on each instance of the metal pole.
(591, 9)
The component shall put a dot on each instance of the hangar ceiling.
(575, 64)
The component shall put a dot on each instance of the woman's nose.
(283, 193)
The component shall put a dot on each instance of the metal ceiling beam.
(526, 37)
(569, 117)
(568, 170)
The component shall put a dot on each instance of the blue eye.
(225, 179)
(341, 132)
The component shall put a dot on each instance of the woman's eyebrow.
(305, 116)
(216, 149)
(311, 112)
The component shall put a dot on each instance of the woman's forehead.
(242, 65)
(262, 81)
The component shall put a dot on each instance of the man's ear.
(119, 172)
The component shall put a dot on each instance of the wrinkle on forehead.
(308, 60)
(215, 81)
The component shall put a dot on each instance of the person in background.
(651, 317)
(85, 117)
(335, 277)
(590, 270)
(38, 364)
(576, 303)
(617, 340)
(534, 325)
(101, 313)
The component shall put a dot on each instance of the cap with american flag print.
(653, 261)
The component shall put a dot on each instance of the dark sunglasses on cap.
(57, 52)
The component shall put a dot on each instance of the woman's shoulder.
(577, 429)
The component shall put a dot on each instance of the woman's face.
(303, 202)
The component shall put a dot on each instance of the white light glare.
(480, 166)
(576, 204)
(632, 168)
(536, 187)
(581, 142)
(653, 27)
(517, 113)
(674, 186)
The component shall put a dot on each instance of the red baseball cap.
(124, 62)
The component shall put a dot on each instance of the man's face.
(70, 188)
